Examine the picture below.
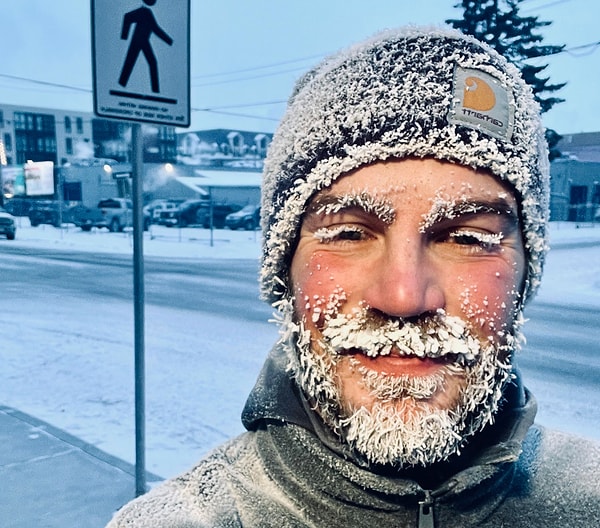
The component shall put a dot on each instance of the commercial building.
(90, 158)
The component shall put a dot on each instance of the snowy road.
(561, 365)
(220, 287)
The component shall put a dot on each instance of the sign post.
(141, 70)
(138, 311)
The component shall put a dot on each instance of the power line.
(45, 83)
(593, 45)
(234, 114)
(256, 68)
(239, 79)
(243, 105)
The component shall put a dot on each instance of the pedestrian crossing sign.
(141, 60)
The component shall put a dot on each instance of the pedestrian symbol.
(141, 55)
(145, 26)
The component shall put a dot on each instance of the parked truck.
(115, 214)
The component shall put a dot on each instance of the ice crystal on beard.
(405, 431)
(387, 388)
(433, 337)
(323, 307)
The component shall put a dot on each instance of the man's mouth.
(397, 365)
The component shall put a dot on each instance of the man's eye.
(339, 233)
(488, 242)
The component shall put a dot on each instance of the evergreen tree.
(499, 24)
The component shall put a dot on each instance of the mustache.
(432, 336)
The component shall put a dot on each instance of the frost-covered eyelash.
(485, 239)
(327, 234)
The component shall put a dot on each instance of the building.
(583, 147)
(68, 137)
(217, 148)
(575, 179)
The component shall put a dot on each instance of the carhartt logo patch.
(481, 102)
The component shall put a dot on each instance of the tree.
(499, 24)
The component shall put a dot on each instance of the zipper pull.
(425, 519)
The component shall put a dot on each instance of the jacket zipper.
(425, 518)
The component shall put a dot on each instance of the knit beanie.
(413, 92)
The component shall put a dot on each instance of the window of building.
(67, 125)
(19, 121)
(69, 145)
(7, 142)
(596, 194)
(35, 137)
(79, 125)
(50, 144)
(72, 191)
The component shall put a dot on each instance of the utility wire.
(256, 68)
(227, 81)
(45, 83)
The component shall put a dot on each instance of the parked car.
(156, 207)
(113, 213)
(219, 213)
(48, 212)
(183, 215)
(18, 206)
(7, 224)
(248, 217)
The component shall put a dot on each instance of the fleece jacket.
(286, 472)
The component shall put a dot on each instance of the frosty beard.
(401, 428)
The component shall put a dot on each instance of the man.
(405, 204)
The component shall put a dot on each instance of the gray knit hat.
(420, 92)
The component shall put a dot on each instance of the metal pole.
(137, 167)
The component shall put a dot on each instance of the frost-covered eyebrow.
(451, 210)
(373, 205)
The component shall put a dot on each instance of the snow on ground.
(81, 379)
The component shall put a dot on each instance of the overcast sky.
(245, 56)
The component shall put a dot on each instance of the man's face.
(406, 283)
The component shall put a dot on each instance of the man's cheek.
(317, 292)
(491, 316)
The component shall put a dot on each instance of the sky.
(76, 374)
(245, 56)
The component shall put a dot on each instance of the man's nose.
(405, 281)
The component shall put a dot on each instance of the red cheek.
(317, 290)
(490, 301)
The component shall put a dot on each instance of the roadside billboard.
(39, 178)
(13, 181)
